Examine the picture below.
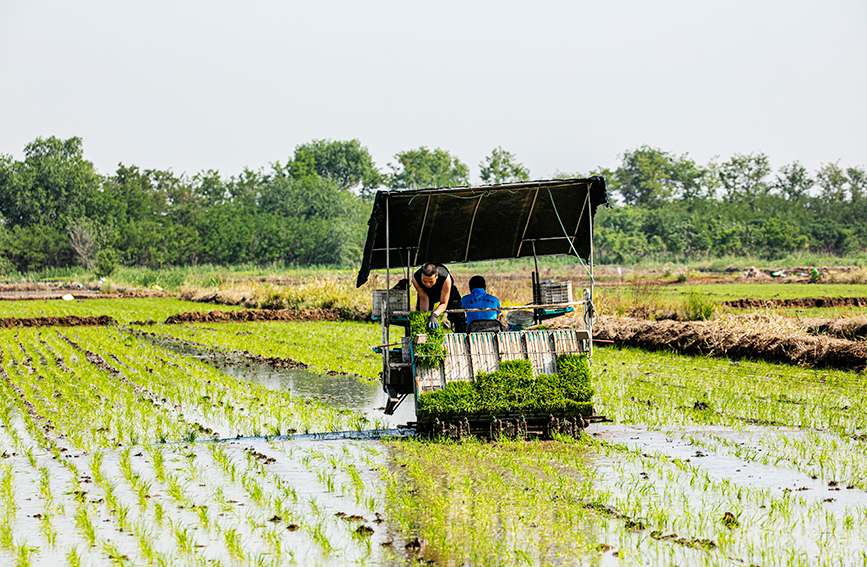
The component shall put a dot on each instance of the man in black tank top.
(434, 284)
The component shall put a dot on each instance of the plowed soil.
(705, 339)
(752, 303)
(68, 321)
(256, 315)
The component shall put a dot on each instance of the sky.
(564, 85)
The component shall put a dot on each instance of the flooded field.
(230, 444)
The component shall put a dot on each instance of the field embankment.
(808, 302)
(256, 315)
(68, 321)
(749, 337)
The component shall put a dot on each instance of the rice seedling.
(183, 537)
(48, 530)
(233, 544)
(6, 536)
(85, 525)
(72, 558)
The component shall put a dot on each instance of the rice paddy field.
(263, 443)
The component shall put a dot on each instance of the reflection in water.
(350, 392)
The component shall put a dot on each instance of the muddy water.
(349, 392)
(676, 443)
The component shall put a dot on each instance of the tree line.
(672, 207)
(56, 210)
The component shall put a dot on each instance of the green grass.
(342, 346)
(805, 312)
(123, 310)
(731, 291)
(652, 296)
(174, 277)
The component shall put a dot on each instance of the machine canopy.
(472, 224)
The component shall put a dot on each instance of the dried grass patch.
(850, 328)
(755, 336)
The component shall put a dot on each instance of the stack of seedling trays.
(511, 402)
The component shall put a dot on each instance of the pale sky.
(569, 86)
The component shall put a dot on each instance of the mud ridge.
(256, 315)
(67, 321)
(753, 303)
(704, 338)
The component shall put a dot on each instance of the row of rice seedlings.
(486, 504)
(677, 394)
(674, 390)
(745, 523)
(252, 408)
(342, 346)
(638, 387)
(88, 404)
(128, 515)
(650, 509)
(821, 455)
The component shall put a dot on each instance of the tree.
(53, 184)
(208, 186)
(831, 180)
(857, 184)
(347, 163)
(83, 242)
(501, 167)
(424, 168)
(743, 178)
(794, 182)
(651, 177)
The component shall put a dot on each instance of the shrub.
(106, 262)
(698, 307)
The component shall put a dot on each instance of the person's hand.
(433, 321)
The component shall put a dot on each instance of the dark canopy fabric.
(491, 222)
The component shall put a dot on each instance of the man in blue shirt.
(478, 298)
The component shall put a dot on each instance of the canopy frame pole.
(421, 230)
(385, 315)
(470, 233)
(537, 286)
(527, 224)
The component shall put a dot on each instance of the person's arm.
(423, 301)
(444, 297)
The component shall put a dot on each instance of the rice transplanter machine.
(474, 224)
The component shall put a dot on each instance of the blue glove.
(433, 321)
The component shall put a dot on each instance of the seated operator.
(479, 298)
(435, 284)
